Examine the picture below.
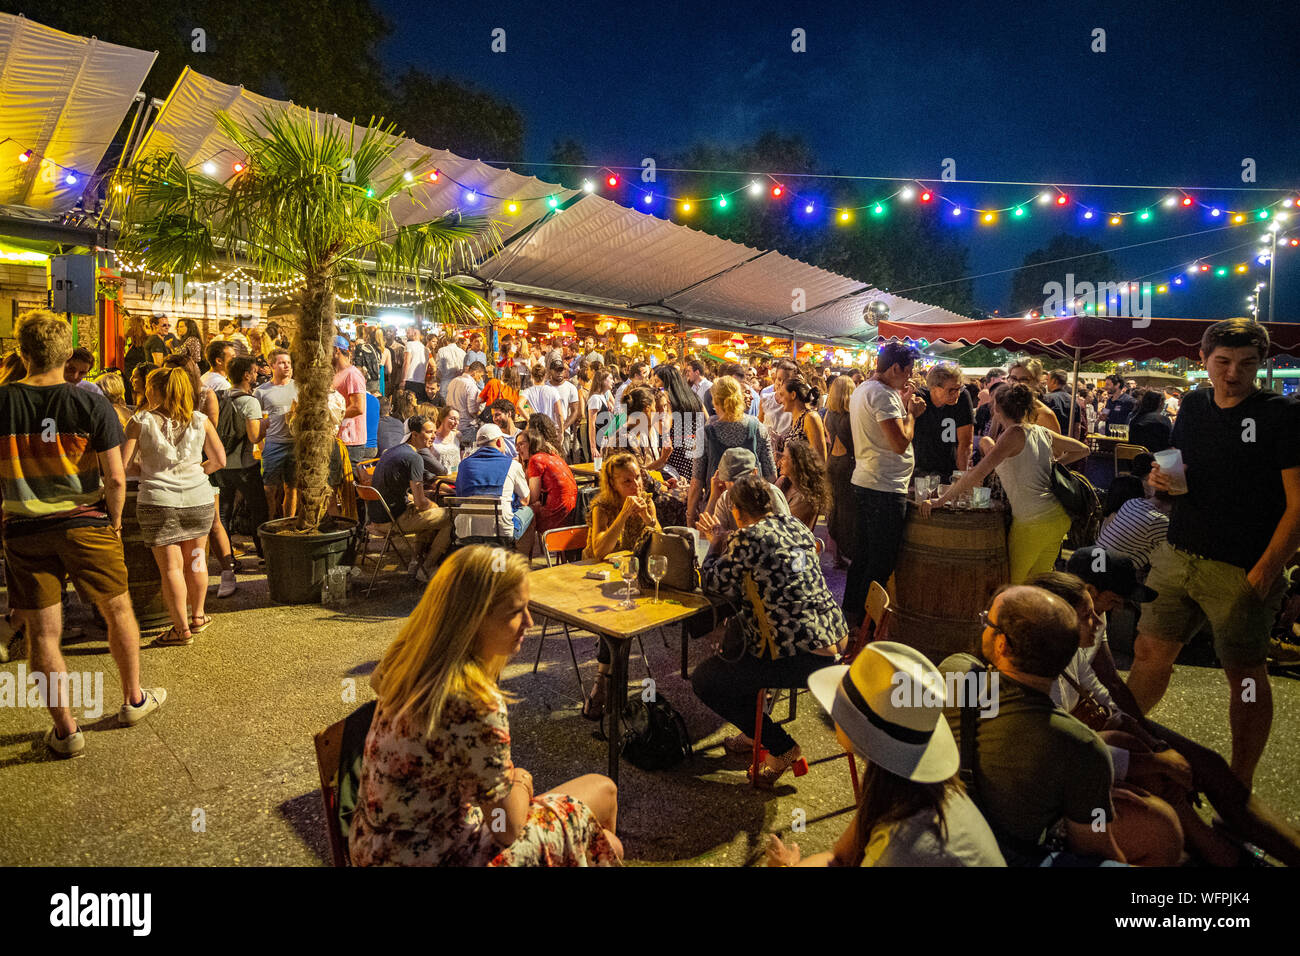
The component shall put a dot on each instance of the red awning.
(1097, 338)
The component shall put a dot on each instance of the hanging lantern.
(623, 328)
(630, 338)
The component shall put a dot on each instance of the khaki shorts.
(37, 566)
(1191, 590)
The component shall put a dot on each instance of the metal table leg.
(616, 697)
(685, 638)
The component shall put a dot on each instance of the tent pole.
(1074, 397)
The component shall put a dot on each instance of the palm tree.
(311, 204)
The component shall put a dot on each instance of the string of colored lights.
(26, 154)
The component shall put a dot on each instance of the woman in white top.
(174, 505)
(1023, 456)
(446, 439)
(600, 410)
(913, 809)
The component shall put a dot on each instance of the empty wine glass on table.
(656, 566)
(630, 566)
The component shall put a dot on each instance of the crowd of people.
(751, 460)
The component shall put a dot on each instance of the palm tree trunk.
(313, 370)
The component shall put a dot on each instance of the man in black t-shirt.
(1230, 535)
(1119, 404)
(160, 344)
(1059, 399)
(401, 470)
(945, 430)
(64, 487)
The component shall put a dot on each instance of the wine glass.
(629, 568)
(657, 566)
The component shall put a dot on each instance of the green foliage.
(1085, 259)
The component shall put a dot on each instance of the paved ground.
(225, 773)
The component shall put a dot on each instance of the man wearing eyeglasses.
(1033, 764)
(946, 427)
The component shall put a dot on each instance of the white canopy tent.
(62, 97)
(187, 125)
(583, 251)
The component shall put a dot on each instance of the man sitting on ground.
(401, 471)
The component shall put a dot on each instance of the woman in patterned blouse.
(438, 786)
(769, 570)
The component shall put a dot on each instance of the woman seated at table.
(552, 492)
(791, 623)
(446, 439)
(438, 785)
(1023, 456)
(803, 481)
(617, 518)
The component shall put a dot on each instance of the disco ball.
(875, 313)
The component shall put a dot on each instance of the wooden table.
(564, 593)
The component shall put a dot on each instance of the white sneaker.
(228, 584)
(131, 715)
(69, 746)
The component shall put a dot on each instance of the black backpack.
(654, 735)
(231, 427)
(368, 361)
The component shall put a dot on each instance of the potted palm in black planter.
(309, 208)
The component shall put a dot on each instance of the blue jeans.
(877, 538)
(523, 517)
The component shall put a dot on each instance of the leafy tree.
(445, 114)
(1086, 260)
(567, 159)
(310, 205)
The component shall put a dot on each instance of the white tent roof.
(187, 124)
(591, 253)
(621, 258)
(63, 97)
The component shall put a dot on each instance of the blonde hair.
(171, 393)
(435, 655)
(1030, 365)
(841, 389)
(728, 400)
(44, 341)
(110, 383)
(608, 497)
(12, 367)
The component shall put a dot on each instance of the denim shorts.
(279, 466)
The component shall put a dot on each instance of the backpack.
(654, 735)
(231, 427)
(367, 360)
(1081, 502)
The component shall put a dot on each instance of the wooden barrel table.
(949, 566)
(143, 581)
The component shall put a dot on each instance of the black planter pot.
(296, 564)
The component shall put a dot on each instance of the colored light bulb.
(777, 191)
(1062, 199)
(552, 202)
(1019, 213)
(25, 156)
(1187, 200)
(926, 196)
(1087, 214)
(1114, 220)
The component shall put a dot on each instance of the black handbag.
(1073, 491)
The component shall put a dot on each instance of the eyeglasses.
(985, 622)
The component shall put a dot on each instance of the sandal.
(203, 624)
(739, 744)
(768, 774)
(593, 705)
(174, 638)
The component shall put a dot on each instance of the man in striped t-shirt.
(64, 486)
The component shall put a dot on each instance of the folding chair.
(392, 536)
(477, 512)
(337, 748)
(1124, 454)
(364, 471)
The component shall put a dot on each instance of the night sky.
(1011, 91)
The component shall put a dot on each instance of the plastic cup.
(1171, 463)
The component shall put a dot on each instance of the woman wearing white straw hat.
(914, 811)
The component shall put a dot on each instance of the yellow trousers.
(1034, 545)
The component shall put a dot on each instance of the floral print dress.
(421, 796)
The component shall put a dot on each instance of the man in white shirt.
(570, 405)
(417, 362)
(219, 355)
(882, 415)
(635, 379)
(544, 397)
(593, 355)
(451, 360)
(462, 395)
(698, 381)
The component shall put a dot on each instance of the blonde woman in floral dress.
(438, 785)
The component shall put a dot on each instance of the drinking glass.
(657, 566)
(629, 568)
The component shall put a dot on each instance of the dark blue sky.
(1011, 91)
